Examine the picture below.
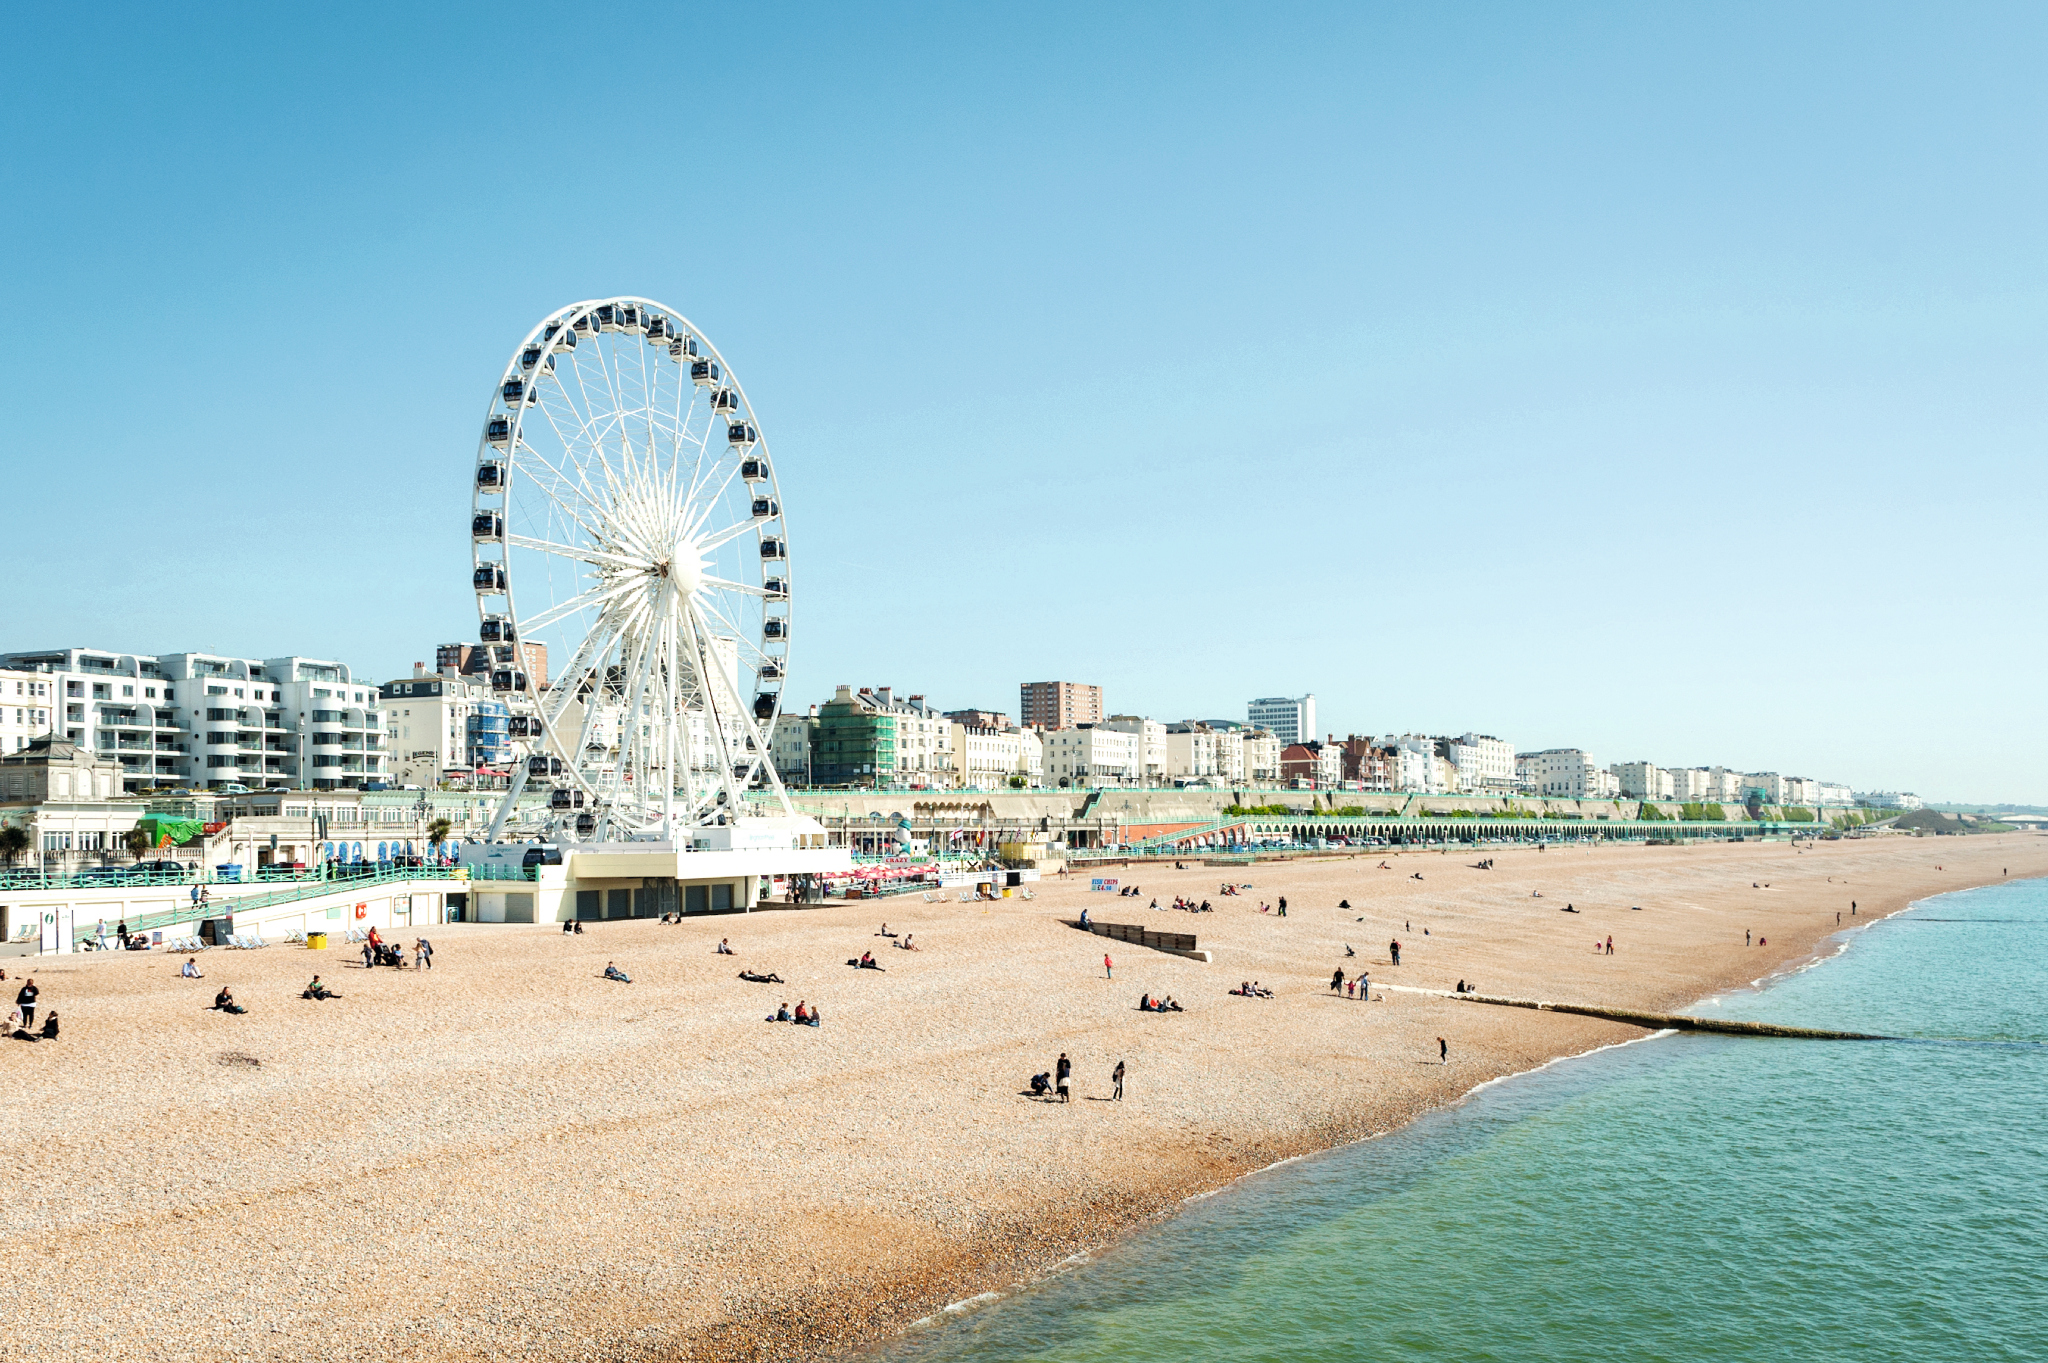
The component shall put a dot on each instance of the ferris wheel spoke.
(580, 553)
(707, 543)
(596, 596)
(725, 584)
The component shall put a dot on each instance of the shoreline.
(1812, 959)
(509, 1157)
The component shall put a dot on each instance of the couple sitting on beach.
(805, 1017)
(867, 961)
(574, 925)
(1148, 1004)
(1250, 989)
(756, 977)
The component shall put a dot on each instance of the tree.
(14, 840)
(137, 842)
(438, 831)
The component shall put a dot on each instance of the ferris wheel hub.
(686, 566)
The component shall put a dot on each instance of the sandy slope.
(510, 1157)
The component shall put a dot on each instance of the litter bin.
(316, 941)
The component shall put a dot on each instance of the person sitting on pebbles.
(317, 990)
(224, 1001)
(612, 972)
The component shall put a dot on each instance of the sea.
(1684, 1197)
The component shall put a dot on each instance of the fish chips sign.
(1100, 884)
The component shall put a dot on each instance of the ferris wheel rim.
(756, 721)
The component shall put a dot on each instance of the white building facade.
(1091, 755)
(1290, 719)
(204, 720)
(1564, 774)
(1151, 735)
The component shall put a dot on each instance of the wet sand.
(511, 1157)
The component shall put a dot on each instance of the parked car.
(166, 868)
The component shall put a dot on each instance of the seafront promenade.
(513, 1157)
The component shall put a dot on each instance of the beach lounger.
(294, 938)
(966, 898)
(1027, 894)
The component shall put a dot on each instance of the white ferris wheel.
(626, 515)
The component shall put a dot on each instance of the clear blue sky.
(1668, 384)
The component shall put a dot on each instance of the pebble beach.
(511, 1157)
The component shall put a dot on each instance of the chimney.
(419, 669)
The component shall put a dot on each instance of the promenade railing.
(225, 904)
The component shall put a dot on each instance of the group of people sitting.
(1188, 905)
(1148, 1004)
(1250, 989)
(1465, 987)
(574, 925)
(804, 1017)
(757, 977)
(1233, 889)
(1128, 892)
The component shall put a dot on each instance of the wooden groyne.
(1172, 943)
(1660, 1021)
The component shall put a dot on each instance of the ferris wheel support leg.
(505, 805)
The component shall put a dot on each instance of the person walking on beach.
(1365, 986)
(1610, 944)
(1394, 950)
(1061, 1073)
(1116, 1077)
(1337, 980)
(423, 955)
(1108, 967)
(1745, 937)
(1443, 1052)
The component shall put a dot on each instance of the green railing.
(244, 903)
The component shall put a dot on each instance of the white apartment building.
(25, 708)
(789, 747)
(1642, 780)
(1889, 799)
(1290, 719)
(1410, 768)
(1152, 760)
(1564, 774)
(1835, 793)
(1192, 752)
(1262, 749)
(987, 758)
(1415, 764)
(1230, 766)
(1485, 764)
(443, 726)
(207, 720)
(924, 741)
(1090, 755)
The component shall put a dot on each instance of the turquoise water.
(1685, 1198)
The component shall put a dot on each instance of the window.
(72, 688)
(102, 691)
(216, 690)
(149, 693)
(238, 693)
(127, 690)
(220, 714)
